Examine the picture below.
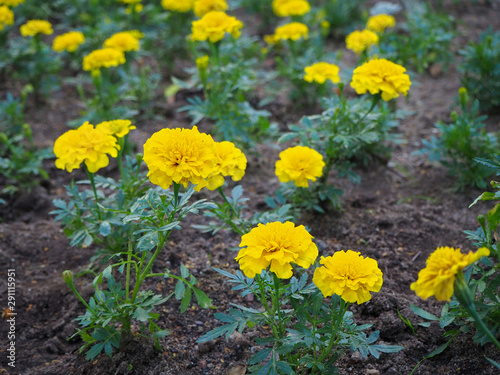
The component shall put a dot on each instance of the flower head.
(116, 128)
(202, 62)
(181, 6)
(292, 31)
(276, 245)
(85, 144)
(11, 3)
(288, 8)
(214, 25)
(202, 7)
(438, 276)
(380, 22)
(180, 156)
(359, 41)
(229, 161)
(348, 275)
(381, 75)
(35, 27)
(322, 71)
(124, 41)
(6, 16)
(299, 164)
(103, 58)
(68, 42)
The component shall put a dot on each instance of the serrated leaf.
(422, 313)
(180, 289)
(186, 300)
(141, 315)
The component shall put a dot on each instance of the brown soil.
(399, 213)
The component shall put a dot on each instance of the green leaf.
(423, 314)
(184, 271)
(218, 332)
(105, 228)
(202, 298)
(185, 300)
(94, 351)
(259, 356)
(494, 363)
(180, 289)
(141, 315)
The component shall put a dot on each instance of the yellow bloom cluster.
(124, 41)
(290, 31)
(116, 128)
(299, 164)
(186, 155)
(35, 27)
(348, 275)
(6, 16)
(276, 245)
(359, 41)
(85, 144)
(381, 75)
(287, 8)
(322, 71)
(202, 62)
(202, 7)
(11, 3)
(214, 25)
(438, 276)
(68, 42)
(103, 58)
(181, 6)
(380, 22)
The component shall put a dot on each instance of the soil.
(399, 213)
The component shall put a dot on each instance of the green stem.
(92, 182)
(375, 100)
(129, 259)
(335, 328)
(277, 306)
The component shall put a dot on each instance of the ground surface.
(399, 213)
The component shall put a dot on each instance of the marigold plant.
(349, 275)
(380, 22)
(288, 8)
(183, 6)
(290, 31)
(381, 76)
(180, 156)
(299, 164)
(438, 277)
(202, 7)
(116, 128)
(360, 41)
(35, 27)
(6, 16)
(87, 145)
(276, 245)
(69, 41)
(124, 41)
(11, 3)
(103, 58)
(214, 25)
(321, 72)
(229, 161)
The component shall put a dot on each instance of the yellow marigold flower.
(271, 39)
(359, 41)
(299, 164)
(214, 25)
(85, 144)
(348, 275)
(202, 62)
(130, 2)
(292, 31)
(11, 3)
(380, 22)
(438, 276)
(103, 58)
(68, 42)
(202, 7)
(181, 6)
(137, 8)
(381, 75)
(136, 34)
(180, 156)
(116, 128)
(276, 245)
(229, 161)
(322, 71)
(124, 41)
(34, 27)
(288, 8)
(6, 16)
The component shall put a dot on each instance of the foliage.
(460, 142)
(480, 70)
